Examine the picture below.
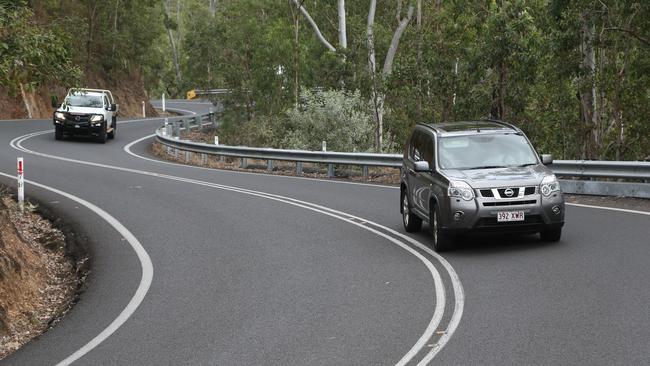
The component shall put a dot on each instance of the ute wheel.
(441, 241)
(111, 135)
(551, 235)
(102, 135)
(58, 133)
(412, 223)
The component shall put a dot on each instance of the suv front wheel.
(441, 241)
(412, 223)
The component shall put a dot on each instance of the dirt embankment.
(39, 275)
(128, 91)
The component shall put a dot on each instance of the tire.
(102, 135)
(441, 241)
(551, 235)
(111, 135)
(412, 223)
(58, 133)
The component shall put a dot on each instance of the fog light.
(458, 215)
(556, 210)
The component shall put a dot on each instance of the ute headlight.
(549, 185)
(460, 189)
(96, 118)
(60, 116)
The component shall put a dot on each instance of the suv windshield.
(84, 100)
(485, 151)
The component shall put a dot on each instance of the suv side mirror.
(55, 101)
(113, 107)
(422, 166)
(547, 159)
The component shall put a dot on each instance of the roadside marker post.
(144, 114)
(163, 102)
(21, 183)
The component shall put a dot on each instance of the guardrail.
(637, 174)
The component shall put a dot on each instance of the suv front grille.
(501, 192)
(509, 203)
(78, 118)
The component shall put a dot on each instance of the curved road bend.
(241, 277)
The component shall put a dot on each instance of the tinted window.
(485, 151)
(421, 147)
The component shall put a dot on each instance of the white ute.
(89, 112)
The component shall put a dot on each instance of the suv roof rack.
(428, 125)
(510, 125)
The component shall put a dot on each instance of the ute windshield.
(485, 151)
(84, 100)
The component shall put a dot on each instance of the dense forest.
(574, 75)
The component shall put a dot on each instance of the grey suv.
(477, 176)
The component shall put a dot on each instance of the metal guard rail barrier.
(614, 170)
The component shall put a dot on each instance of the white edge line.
(439, 287)
(145, 281)
(609, 208)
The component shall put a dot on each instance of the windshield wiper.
(487, 167)
(523, 165)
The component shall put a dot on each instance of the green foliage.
(30, 54)
(343, 120)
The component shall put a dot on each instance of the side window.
(427, 149)
(415, 146)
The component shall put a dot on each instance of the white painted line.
(610, 208)
(145, 281)
(439, 287)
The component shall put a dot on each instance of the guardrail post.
(176, 131)
(222, 158)
(298, 167)
(269, 166)
(188, 156)
(186, 125)
(365, 173)
(175, 153)
(330, 170)
(204, 159)
(243, 163)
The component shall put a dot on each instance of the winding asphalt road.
(207, 267)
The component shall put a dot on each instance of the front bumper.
(480, 214)
(80, 127)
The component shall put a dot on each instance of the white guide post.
(216, 140)
(21, 183)
(163, 102)
(144, 115)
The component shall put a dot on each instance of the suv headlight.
(96, 118)
(549, 185)
(59, 116)
(460, 189)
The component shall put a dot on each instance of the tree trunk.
(418, 104)
(588, 87)
(177, 66)
(117, 7)
(343, 38)
(92, 9)
(394, 43)
(25, 100)
(213, 8)
(314, 26)
(377, 97)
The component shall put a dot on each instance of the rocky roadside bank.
(42, 271)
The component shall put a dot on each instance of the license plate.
(77, 126)
(510, 216)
